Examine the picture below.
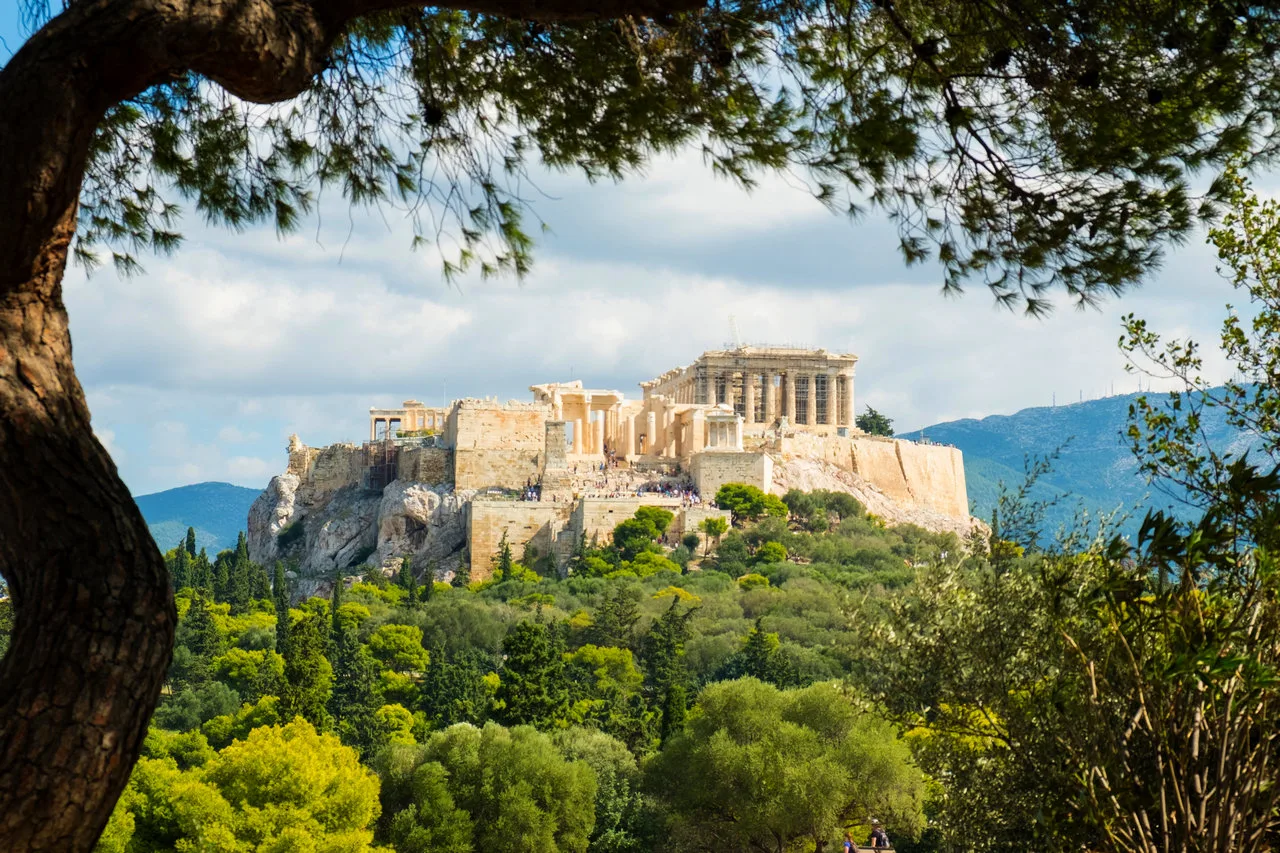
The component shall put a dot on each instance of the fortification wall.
(323, 471)
(918, 476)
(490, 425)
(690, 518)
(541, 525)
(432, 465)
(498, 444)
(598, 516)
(712, 469)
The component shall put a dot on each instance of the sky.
(200, 368)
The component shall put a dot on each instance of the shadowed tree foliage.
(1024, 145)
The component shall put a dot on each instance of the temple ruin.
(575, 461)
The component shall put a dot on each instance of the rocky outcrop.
(807, 474)
(274, 510)
(428, 522)
(319, 530)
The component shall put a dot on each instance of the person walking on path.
(848, 846)
(879, 838)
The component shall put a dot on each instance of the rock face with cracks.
(321, 532)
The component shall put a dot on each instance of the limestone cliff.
(807, 473)
(321, 516)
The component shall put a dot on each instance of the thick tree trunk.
(94, 615)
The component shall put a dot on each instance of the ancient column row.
(778, 397)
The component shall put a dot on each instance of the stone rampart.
(432, 465)
(712, 469)
(498, 444)
(917, 476)
(323, 472)
(525, 523)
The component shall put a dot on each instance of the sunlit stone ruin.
(444, 484)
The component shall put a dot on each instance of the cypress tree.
(462, 575)
(191, 542)
(259, 583)
(281, 593)
(354, 701)
(242, 548)
(503, 563)
(201, 573)
(533, 689)
(222, 573)
(307, 672)
(411, 584)
(662, 659)
(199, 635)
(180, 568)
(429, 582)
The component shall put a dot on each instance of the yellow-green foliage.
(682, 594)
(243, 670)
(753, 581)
(395, 724)
(283, 788)
(399, 648)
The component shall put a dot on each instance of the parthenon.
(810, 388)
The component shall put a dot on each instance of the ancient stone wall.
(598, 516)
(690, 519)
(712, 469)
(918, 476)
(432, 465)
(498, 444)
(542, 525)
(332, 468)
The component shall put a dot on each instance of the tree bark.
(94, 615)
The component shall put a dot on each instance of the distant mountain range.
(1096, 469)
(218, 512)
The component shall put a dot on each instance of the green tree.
(280, 591)
(512, 786)
(622, 814)
(771, 552)
(874, 423)
(657, 516)
(503, 564)
(533, 689)
(665, 674)
(178, 561)
(282, 787)
(251, 673)
(614, 622)
(760, 658)
(749, 503)
(191, 542)
(1056, 160)
(633, 536)
(429, 582)
(199, 636)
(399, 648)
(454, 689)
(714, 526)
(308, 673)
(764, 769)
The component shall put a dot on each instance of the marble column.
(749, 397)
(650, 432)
(769, 415)
(811, 403)
(373, 428)
(850, 413)
(698, 431)
(577, 435)
(598, 436)
(730, 395)
(790, 409)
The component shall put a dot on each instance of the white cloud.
(201, 368)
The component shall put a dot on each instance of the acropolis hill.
(445, 484)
